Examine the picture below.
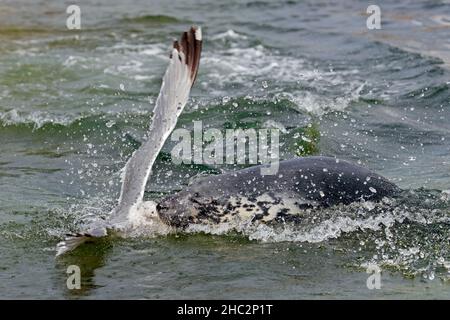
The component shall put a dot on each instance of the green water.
(74, 105)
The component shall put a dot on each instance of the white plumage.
(173, 96)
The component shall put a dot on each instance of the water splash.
(410, 234)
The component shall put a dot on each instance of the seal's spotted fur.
(300, 184)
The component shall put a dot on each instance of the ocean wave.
(237, 67)
(236, 109)
(36, 119)
(319, 105)
(229, 34)
(261, 71)
(152, 19)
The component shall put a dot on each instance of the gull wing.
(174, 93)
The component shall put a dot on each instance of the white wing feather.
(173, 96)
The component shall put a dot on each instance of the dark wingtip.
(191, 45)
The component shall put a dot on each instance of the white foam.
(246, 66)
(229, 34)
(320, 225)
(37, 118)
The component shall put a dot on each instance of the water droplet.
(265, 85)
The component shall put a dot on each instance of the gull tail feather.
(72, 241)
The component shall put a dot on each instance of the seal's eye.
(160, 207)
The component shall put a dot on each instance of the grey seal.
(247, 194)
